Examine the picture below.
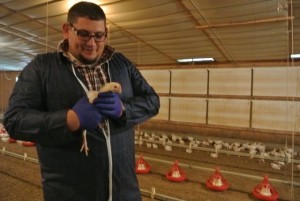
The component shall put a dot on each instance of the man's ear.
(66, 29)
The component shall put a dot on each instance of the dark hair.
(85, 9)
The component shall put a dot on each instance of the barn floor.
(20, 180)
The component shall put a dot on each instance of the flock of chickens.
(278, 157)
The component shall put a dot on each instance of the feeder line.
(33, 160)
(159, 196)
(24, 157)
(144, 192)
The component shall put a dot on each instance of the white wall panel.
(266, 114)
(158, 79)
(164, 109)
(229, 112)
(189, 81)
(188, 110)
(230, 81)
(280, 81)
(276, 115)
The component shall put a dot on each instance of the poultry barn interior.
(235, 114)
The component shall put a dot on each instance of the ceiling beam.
(223, 51)
(141, 40)
(208, 26)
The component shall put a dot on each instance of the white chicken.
(111, 86)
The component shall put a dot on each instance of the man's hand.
(109, 104)
(88, 115)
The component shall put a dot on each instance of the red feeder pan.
(11, 140)
(142, 167)
(217, 182)
(28, 144)
(265, 191)
(176, 173)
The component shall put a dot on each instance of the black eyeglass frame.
(85, 35)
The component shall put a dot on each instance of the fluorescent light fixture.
(295, 56)
(192, 60)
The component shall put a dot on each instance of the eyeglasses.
(86, 35)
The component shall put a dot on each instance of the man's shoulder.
(47, 61)
(47, 55)
(120, 57)
(50, 57)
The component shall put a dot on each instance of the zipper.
(106, 135)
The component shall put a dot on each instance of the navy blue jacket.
(45, 91)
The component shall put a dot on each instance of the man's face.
(86, 50)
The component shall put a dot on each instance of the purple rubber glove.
(87, 113)
(109, 104)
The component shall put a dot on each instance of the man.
(49, 106)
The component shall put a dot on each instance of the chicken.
(111, 86)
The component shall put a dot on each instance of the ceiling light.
(295, 56)
(195, 60)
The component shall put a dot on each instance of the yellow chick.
(111, 86)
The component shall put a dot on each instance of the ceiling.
(158, 32)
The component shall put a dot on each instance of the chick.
(111, 86)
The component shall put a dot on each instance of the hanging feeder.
(28, 144)
(217, 182)
(11, 140)
(265, 191)
(176, 174)
(141, 166)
